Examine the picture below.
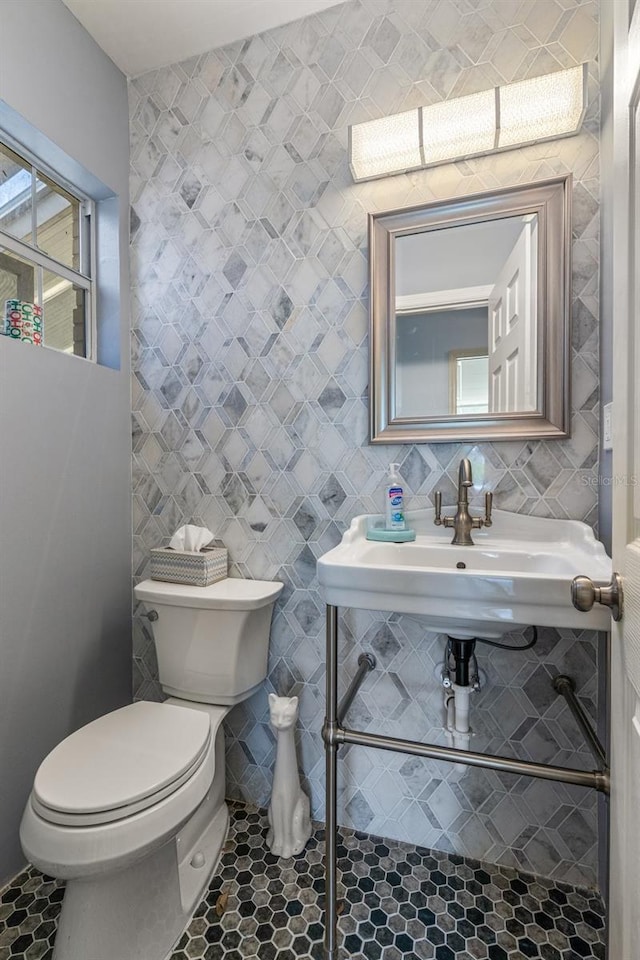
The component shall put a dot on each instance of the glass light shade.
(388, 145)
(542, 108)
(459, 128)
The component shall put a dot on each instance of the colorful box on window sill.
(23, 321)
(197, 569)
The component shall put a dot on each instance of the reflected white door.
(624, 916)
(512, 328)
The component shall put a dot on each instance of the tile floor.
(399, 902)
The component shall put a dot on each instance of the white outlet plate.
(607, 426)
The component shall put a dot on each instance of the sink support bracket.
(366, 663)
(566, 686)
(334, 734)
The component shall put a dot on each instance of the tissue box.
(197, 569)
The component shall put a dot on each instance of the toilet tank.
(212, 643)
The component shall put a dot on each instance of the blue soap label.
(394, 507)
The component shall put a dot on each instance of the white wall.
(465, 256)
(65, 639)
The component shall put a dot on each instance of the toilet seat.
(70, 851)
(120, 764)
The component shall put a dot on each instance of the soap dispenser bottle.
(394, 500)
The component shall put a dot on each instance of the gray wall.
(65, 639)
(423, 343)
(250, 392)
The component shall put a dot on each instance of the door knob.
(584, 594)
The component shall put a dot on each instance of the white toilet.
(130, 809)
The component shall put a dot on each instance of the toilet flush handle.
(152, 615)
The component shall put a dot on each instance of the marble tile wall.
(250, 352)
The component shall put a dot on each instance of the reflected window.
(469, 381)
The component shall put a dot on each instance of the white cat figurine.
(289, 819)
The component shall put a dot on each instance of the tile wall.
(249, 262)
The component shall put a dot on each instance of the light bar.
(530, 111)
(542, 108)
(381, 147)
(459, 128)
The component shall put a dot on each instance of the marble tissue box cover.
(180, 566)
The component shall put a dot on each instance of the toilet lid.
(128, 757)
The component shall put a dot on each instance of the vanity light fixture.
(529, 111)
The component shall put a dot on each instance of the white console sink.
(517, 573)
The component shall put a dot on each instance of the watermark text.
(617, 480)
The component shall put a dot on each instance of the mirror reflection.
(465, 328)
(469, 317)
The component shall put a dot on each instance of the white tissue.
(190, 538)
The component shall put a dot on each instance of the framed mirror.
(470, 317)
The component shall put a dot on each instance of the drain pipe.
(458, 692)
(462, 651)
(461, 728)
(450, 709)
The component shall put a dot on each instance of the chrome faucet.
(463, 523)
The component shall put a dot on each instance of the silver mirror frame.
(551, 201)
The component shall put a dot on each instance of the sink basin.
(517, 573)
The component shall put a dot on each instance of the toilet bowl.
(130, 809)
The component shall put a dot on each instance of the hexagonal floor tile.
(397, 902)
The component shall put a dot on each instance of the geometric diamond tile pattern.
(250, 352)
(397, 902)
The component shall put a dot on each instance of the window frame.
(462, 353)
(86, 277)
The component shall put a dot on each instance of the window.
(469, 381)
(47, 248)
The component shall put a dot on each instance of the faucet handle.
(488, 505)
(438, 508)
